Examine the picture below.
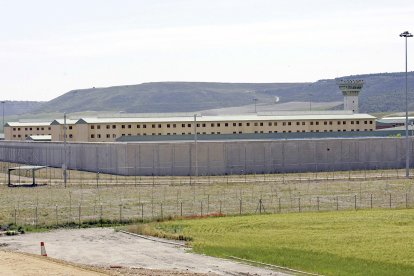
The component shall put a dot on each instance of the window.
(339, 122)
(108, 126)
(325, 123)
(36, 128)
(303, 123)
(247, 124)
(289, 123)
(218, 132)
(174, 125)
(269, 124)
(113, 135)
(204, 125)
(284, 123)
(212, 124)
(14, 129)
(153, 126)
(71, 136)
(234, 124)
(365, 122)
(182, 125)
(108, 136)
(113, 126)
(129, 126)
(99, 136)
(226, 124)
(198, 125)
(42, 128)
(168, 126)
(255, 124)
(218, 125)
(240, 124)
(30, 128)
(70, 127)
(92, 127)
(159, 125)
(25, 128)
(98, 126)
(123, 126)
(311, 123)
(370, 122)
(138, 126)
(297, 123)
(144, 126)
(122, 134)
(92, 136)
(275, 123)
(261, 124)
(189, 125)
(330, 122)
(317, 123)
(352, 122)
(344, 122)
(357, 122)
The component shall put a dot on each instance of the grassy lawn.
(378, 242)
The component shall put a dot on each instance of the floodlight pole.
(406, 35)
(64, 149)
(3, 103)
(195, 145)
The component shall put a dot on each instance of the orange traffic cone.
(43, 249)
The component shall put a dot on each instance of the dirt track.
(104, 247)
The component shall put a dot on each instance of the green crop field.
(369, 242)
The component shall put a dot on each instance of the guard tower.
(350, 89)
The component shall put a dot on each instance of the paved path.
(105, 247)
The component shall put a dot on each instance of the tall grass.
(379, 242)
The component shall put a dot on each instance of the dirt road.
(104, 247)
(12, 263)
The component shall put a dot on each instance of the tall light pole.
(64, 149)
(2, 103)
(406, 35)
(255, 105)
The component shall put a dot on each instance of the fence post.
(317, 200)
(337, 203)
(208, 203)
(201, 208)
(56, 212)
(280, 205)
(101, 215)
(162, 214)
(355, 202)
(260, 206)
(390, 200)
(181, 208)
(120, 213)
(240, 211)
(15, 216)
(36, 217)
(220, 208)
(299, 204)
(79, 216)
(142, 212)
(371, 201)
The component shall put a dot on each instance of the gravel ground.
(130, 255)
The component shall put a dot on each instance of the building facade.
(109, 129)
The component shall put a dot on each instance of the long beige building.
(109, 129)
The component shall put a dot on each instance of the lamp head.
(406, 34)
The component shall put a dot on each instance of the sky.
(49, 47)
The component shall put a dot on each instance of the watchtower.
(350, 89)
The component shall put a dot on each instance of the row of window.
(229, 124)
(98, 136)
(30, 128)
(26, 135)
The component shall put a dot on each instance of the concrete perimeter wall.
(214, 157)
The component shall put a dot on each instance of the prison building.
(109, 129)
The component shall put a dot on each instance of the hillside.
(382, 92)
(19, 107)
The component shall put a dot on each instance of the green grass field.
(378, 242)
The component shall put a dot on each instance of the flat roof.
(27, 168)
(28, 124)
(226, 118)
(40, 137)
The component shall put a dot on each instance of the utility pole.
(64, 149)
(406, 35)
(195, 145)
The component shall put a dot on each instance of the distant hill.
(382, 92)
(19, 107)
